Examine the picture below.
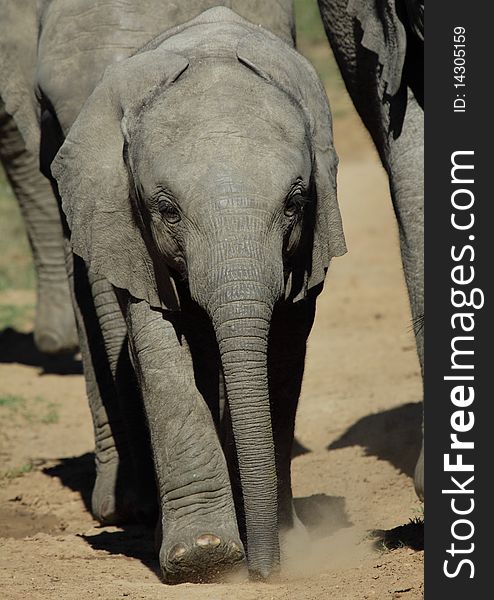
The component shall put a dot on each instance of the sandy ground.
(358, 421)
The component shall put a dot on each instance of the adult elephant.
(54, 328)
(198, 181)
(378, 45)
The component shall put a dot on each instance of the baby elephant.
(200, 180)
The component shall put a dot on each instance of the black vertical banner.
(459, 313)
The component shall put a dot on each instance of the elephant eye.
(169, 211)
(294, 205)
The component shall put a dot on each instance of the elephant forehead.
(229, 159)
(249, 144)
(223, 115)
(222, 98)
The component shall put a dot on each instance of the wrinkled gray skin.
(54, 329)
(198, 183)
(384, 76)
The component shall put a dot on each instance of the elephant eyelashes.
(169, 211)
(294, 205)
(293, 210)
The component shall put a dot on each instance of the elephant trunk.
(242, 287)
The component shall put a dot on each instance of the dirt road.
(359, 420)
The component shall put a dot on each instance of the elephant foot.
(419, 475)
(114, 500)
(55, 330)
(200, 557)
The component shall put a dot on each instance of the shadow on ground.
(298, 449)
(18, 521)
(17, 347)
(393, 435)
(135, 541)
(322, 515)
(410, 535)
(77, 473)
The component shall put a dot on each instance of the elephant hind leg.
(55, 329)
(286, 358)
(124, 489)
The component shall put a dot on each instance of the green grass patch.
(11, 401)
(16, 316)
(16, 265)
(35, 411)
(52, 415)
(16, 471)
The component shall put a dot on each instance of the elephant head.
(209, 156)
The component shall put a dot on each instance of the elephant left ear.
(288, 70)
(95, 183)
(385, 35)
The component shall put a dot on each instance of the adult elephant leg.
(124, 486)
(404, 161)
(55, 329)
(286, 356)
(200, 534)
(402, 157)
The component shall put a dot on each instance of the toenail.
(177, 552)
(208, 539)
(235, 547)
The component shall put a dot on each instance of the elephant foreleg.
(200, 534)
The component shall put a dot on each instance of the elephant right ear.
(94, 184)
(284, 67)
